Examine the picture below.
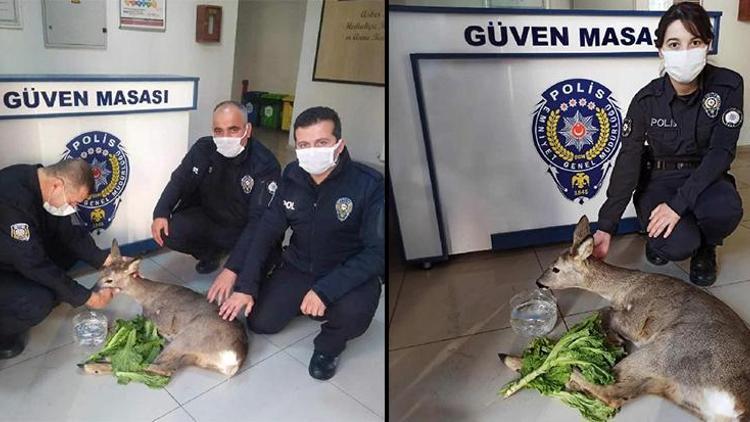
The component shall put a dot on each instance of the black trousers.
(192, 232)
(281, 295)
(23, 302)
(717, 212)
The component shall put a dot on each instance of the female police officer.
(678, 141)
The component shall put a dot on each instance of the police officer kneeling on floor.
(222, 186)
(331, 268)
(690, 120)
(38, 243)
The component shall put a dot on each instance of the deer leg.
(512, 362)
(610, 327)
(96, 368)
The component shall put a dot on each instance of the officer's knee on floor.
(33, 309)
(263, 325)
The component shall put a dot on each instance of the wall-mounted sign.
(351, 42)
(27, 99)
(143, 14)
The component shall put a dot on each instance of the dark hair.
(229, 103)
(314, 115)
(692, 15)
(75, 171)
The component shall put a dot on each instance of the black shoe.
(653, 257)
(205, 266)
(703, 266)
(12, 346)
(322, 366)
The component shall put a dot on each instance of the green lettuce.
(132, 346)
(547, 366)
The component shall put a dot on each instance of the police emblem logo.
(732, 118)
(272, 187)
(576, 131)
(344, 208)
(20, 231)
(247, 183)
(111, 170)
(627, 126)
(711, 104)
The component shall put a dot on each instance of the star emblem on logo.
(578, 131)
(100, 172)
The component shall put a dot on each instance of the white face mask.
(684, 65)
(62, 211)
(229, 147)
(317, 160)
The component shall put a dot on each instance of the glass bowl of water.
(90, 328)
(533, 313)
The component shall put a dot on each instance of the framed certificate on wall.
(351, 42)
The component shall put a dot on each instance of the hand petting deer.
(689, 347)
(195, 332)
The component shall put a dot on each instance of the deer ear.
(133, 266)
(582, 230)
(583, 250)
(115, 251)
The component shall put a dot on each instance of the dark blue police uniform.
(35, 250)
(211, 199)
(337, 249)
(678, 150)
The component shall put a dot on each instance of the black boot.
(12, 345)
(653, 257)
(322, 366)
(703, 266)
(208, 265)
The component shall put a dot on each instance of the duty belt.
(672, 164)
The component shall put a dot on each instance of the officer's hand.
(662, 219)
(100, 299)
(222, 286)
(234, 305)
(601, 244)
(312, 305)
(157, 226)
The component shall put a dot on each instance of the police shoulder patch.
(20, 231)
(732, 118)
(711, 104)
(344, 207)
(627, 127)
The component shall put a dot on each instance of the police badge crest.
(111, 170)
(247, 183)
(576, 131)
(344, 208)
(20, 231)
(711, 104)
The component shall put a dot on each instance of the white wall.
(361, 107)
(134, 52)
(269, 38)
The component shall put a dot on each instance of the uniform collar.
(668, 90)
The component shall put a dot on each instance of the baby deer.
(689, 347)
(195, 333)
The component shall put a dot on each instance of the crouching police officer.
(690, 120)
(223, 184)
(336, 254)
(38, 242)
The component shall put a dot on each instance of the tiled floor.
(447, 325)
(277, 141)
(44, 384)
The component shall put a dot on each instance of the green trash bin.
(270, 110)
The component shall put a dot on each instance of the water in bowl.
(90, 328)
(534, 317)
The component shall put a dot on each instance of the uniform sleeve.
(627, 170)
(78, 240)
(266, 185)
(179, 184)
(21, 244)
(269, 230)
(721, 151)
(365, 265)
